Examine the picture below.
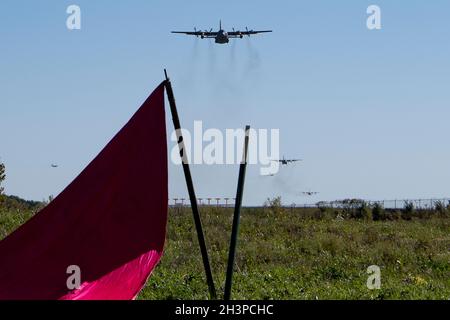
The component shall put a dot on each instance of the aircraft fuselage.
(222, 37)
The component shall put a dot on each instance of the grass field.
(299, 254)
(286, 254)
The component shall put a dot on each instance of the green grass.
(285, 255)
(298, 254)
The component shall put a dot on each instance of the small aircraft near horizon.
(309, 193)
(268, 175)
(54, 165)
(285, 161)
(221, 36)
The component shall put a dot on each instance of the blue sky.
(368, 111)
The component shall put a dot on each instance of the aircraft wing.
(236, 34)
(205, 34)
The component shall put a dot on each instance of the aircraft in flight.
(221, 36)
(285, 161)
(54, 165)
(268, 175)
(309, 193)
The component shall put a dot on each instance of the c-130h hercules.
(222, 36)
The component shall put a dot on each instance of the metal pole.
(236, 218)
(190, 186)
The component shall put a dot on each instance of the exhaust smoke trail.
(285, 182)
(254, 60)
(233, 55)
(212, 58)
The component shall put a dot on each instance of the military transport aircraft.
(285, 162)
(268, 175)
(221, 36)
(309, 193)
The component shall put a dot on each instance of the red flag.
(110, 222)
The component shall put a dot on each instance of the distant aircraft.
(285, 162)
(268, 175)
(221, 36)
(54, 165)
(309, 193)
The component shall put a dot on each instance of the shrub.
(395, 215)
(441, 209)
(274, 204)
(364, 212)
(350, 207)
(378, 212)
(325, 213)
(408, 210)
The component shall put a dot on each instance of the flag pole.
(236, 217)
(190, 186)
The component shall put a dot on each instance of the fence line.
(421, 204)
(211, 202)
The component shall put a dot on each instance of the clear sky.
(368, 111)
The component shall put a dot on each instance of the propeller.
(202, 35)
(246, 28)
(238, 33)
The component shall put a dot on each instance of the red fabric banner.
(110, 222)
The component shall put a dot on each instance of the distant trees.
(274, 204)
(17, 204)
